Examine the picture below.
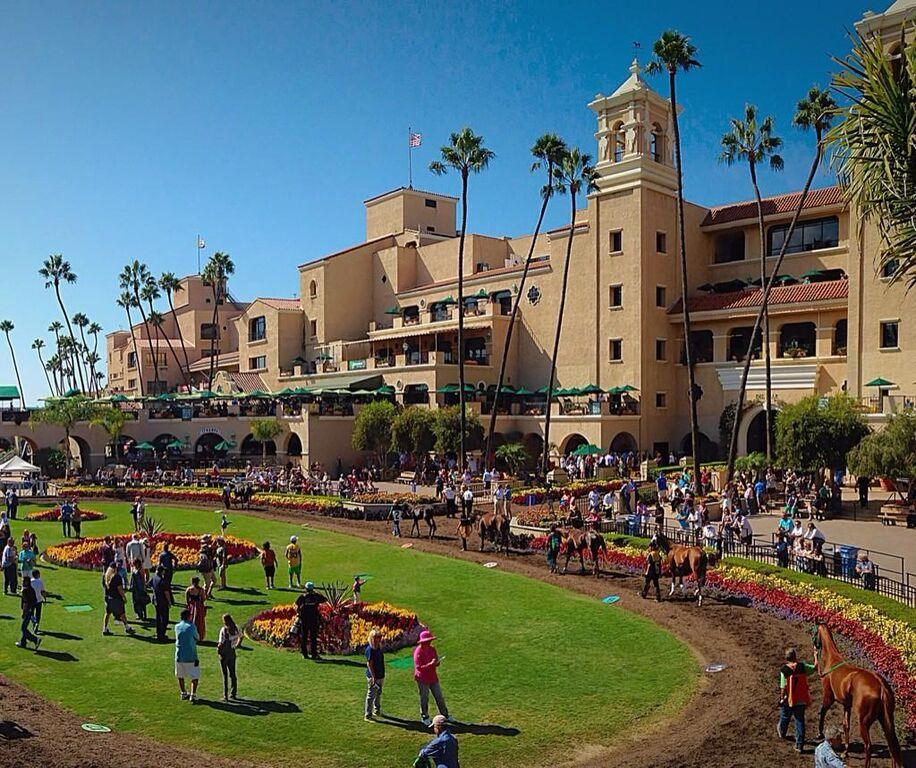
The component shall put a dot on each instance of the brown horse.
(683, 560)
(577, 542)
(493, 527)
(858, 690)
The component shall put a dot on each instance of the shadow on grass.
(230, 601)
(477, 729)
(243, 590)
(251, 707)
(60, 635)
(341, 662)
(56, 655)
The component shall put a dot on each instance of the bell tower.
(635, 137)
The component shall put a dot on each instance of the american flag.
(415, 139)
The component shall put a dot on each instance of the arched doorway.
(80, 453)
(571, 443)
(757, 431)
(205, 447)
(252, 447)
(706, 448)
(623, 442)
(23, 447)
(161, 442)
(534, 444)
(294, 445)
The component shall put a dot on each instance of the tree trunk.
(691, 370)
(742, 390)
(181, 370)
(515, 304)
(149, 337)
(184, 349)
(90, 367)
(60, 301)
(768, 405)
(9, 341)
(214, 334)
(47, 375)
(462, 416)
(556, 339)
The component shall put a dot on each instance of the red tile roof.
(772, 205)
(280, 303)
(785, 294)
(247, 382)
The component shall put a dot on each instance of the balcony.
(887, 404)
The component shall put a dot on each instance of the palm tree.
(82, 322)
(6, 326)
(68, 349)
(157, 320)
(134, 277)
(548, 151)
(672, 52)
(466, 154)
(874, 147)
(94, 330)
(56, 270)
(54, 368)
(814, 112)
(149, 293)
(56, 327)
(756, 143)
(171, 285)
(574, 173)
(217, 271)
(126, 301)
(38, 345)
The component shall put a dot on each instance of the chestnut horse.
(577, 541)
(683, 560)
(494, 527)
(866, 693)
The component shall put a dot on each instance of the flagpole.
(197, 246)
(409, 160)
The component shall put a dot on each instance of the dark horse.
(493, 527)
(866, 693)
(684, 560)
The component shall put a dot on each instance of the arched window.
(313, 290)
(655, 143)
(619, 142)
(701, 346)
(797, 340)
(839, 337)
(738, 340)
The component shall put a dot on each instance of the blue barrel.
(633, 525)
(846, 558)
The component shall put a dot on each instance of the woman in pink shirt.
(425, 664)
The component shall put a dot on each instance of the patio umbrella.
(524, 392)
(119, 398)
(879, 382)
(286, 392)
(628, 388)
(144, 446)
(165, 396)
(385, 389)
(591, 389)
(615, 391)
(175, 444)
(589, 449)
(481, 294)
(258, 394)
(224, 445)
(72, 393)
(785, 280)
(505, 389)
(813, 275)
(705, 287)
(567, 392)
(204, 394)
(447, 300)
(393, 311)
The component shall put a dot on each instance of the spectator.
(221, 561)
(426, 662)
(66, 518)
(375, 674)
(442, 750)
(269, 564)
(863, 483)
(138, 593)
(825, 756)
(782, 550)
(27, 601)
(309, 614)
(162, 600)
(76, 519)
(38, 586)
(652, 571)
(114, 600)
(9, 560)
(187, 665)
(230, 637)
(814, 535)
(294, 561)
(168, 562)
(865, 568)
(26, 562)
(395, 516)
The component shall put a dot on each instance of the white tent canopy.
(17, 466)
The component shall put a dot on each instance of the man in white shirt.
(814, 535)
(607, 504)
(134, 550)
(38, 584)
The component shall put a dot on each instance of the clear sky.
(128, 128)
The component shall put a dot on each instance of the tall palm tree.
(57, 270)
(216, 273)
(756, 143)
(126, 301)
(171, 285)
(94, 330)
(82, 322)
(466, 154)
(814, 112)
(133, 278)
(149, 293)
(54, 368)
(548, 151)
(68, 349)
(38, 345)
(674, 52)
(6, 326)
(574, 174)
(874, 147)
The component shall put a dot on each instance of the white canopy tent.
(17, 466)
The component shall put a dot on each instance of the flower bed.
(52, 515)
(344, 631)
(393, 498)
(87, 553)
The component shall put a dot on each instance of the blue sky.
(128, 128)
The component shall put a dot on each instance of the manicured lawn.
(563, 669)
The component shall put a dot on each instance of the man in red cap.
(425, 664)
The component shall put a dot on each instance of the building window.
(616, 296)
(257, 328)
(615, 349)
(620, 145)
(661, 242)
(729, 247)
(615, 241)
(655, 143)
(131, 383)
(131, 359)
(430, 203)
(701, 347)
(661, 399)
(430, 229)
(313, 290)
(313, 327)
(798, 340)
(890, 334)
(258, 363)
(840, 336)
(661, 296)
(209, 331)
(808, 236)
(890, 267)
(739, 340)
(661, 350)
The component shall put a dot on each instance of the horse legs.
(826, 703)
(846, 713)
(673, 582)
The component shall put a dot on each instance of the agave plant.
(151, 526)
(336, 592)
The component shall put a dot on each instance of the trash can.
(844, 560)
(633, 525)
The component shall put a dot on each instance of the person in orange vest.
(796, 696)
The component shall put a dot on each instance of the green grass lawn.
(563, 669)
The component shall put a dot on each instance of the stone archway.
(80, 453)
(294, 445)
(252, 447)
(752, 434)
(624, 442)
(534, 444)
(571, 442)
(205, 447)
(24, 447)
(707, 449)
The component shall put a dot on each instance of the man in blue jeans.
(442, 751)
(796, 696)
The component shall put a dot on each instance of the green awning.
(144, 446)
(481, 294)
(9, 393)
(224, 445)
(393, 311)
(879, 382)
(354, 381)
(497, 295)
(411, 387)
(257, 394)
(444, 302)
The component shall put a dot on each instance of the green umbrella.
(445, 301)
(591, 389)
(587, 450)
(564, 392)
(204, 394)
(286, 392)
(523, 392)
(258, 394)
(176, 443)
(615, 391)
(299, 360)
(450, 389)
(505, 389)
(165, 396)
(628, 388)
(72, 393)
(224, 445)
(393, 311)
(879, 382)
(385, 389)
(541, 391)
(481, 294)
(144, 446)
(325, 356)
(119, 398)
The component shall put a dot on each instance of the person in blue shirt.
(442, 751)
(661, 485)
(375, 674)
(187, 664)
(760, 489)
(66, 515)
(825, 756)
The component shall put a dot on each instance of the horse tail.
(887, 723)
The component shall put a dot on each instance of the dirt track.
(730, 723)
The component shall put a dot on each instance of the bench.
(892, 516)
(405, 478)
